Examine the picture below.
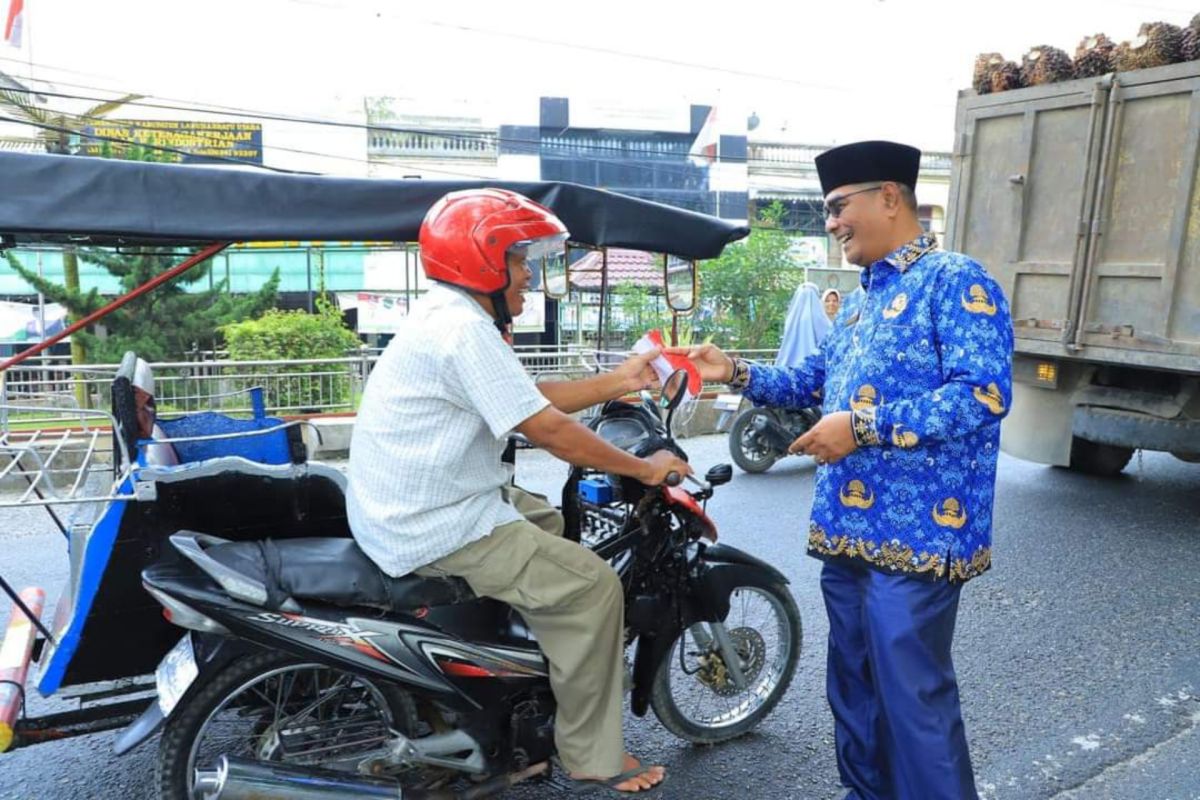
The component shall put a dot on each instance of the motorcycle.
(306, 672)
(760, 436)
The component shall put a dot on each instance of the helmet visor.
(546, 258)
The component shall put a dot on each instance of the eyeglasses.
(834, 210)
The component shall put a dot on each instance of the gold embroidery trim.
(962, 569)
(741, 375)
(911, 253)
(896, 556)
(863, 423)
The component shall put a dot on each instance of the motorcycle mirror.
(719, 475)
(673, 390)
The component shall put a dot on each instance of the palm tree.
(57, 130)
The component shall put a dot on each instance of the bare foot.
(651, 777)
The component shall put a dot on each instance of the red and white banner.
(666, 365)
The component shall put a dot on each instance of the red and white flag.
(13, 22)
(666, 365)
(704, 149)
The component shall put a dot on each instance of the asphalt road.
(1078, 655)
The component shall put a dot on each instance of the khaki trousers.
(573, 602)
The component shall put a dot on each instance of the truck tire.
(1093, 458)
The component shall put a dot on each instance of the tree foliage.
(745, 293)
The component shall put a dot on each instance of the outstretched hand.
(714, 365)
(636, 374)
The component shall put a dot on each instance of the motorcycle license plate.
(175, 674)
(728, 402)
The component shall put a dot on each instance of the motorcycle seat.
(330, 570)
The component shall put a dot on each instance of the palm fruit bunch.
(1006, 75)
(1157, 44)
(1045, 64)
(985, 65)
(994, 74)
(1094, 56)
(1190, 43)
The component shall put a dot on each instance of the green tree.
(288, 335)
(161, 325)
(749, 287)
(59, 132)
(637, 310)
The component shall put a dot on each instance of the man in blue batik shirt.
(913, 381)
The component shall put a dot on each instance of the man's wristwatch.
(740, 377)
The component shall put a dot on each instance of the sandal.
(585, 786)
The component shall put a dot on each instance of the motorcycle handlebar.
(673, 479)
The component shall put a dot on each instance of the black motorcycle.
(760, 436)
(308, 673)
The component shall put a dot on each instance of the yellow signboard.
(197, 142)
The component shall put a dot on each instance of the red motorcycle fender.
(678, 497)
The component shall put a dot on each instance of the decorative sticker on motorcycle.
(342, 635)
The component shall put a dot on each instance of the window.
(933, 219)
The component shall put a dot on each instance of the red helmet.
(466, 234)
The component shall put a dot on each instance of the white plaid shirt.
(425, 470)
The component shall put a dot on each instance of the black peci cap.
(866, 162)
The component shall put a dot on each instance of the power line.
(675, 168)
(293, 150)
(198, 107)
(212, 108)
(244, 162)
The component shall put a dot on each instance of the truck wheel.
(1093, 458)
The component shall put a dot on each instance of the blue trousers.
(891, 686)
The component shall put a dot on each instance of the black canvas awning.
(59, 199)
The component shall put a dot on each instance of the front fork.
(724, 646)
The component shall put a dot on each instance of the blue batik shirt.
(923, 361)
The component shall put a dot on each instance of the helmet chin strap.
(503, 315)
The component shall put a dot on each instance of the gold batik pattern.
(896, 557)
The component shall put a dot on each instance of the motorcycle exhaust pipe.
(241, 779)
(775, 435)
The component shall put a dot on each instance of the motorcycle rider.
(427, 489)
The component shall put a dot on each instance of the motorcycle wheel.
(693, 694)
(270, 707)
(746, 448)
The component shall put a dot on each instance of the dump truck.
(1082, 199)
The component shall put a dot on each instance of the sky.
(817, 73)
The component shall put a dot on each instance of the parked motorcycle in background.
(759, 436)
